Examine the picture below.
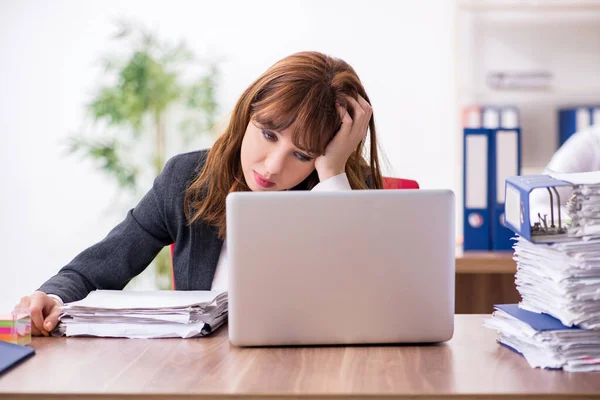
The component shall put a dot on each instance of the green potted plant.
(146, 95)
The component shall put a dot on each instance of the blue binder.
(575, 119)
(539, 322)
(492, 153)
(505, 161)
(12, 354)
(476, 177)
(517, 206)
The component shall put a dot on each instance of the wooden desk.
(484, 279)
(471, 364)
(485, 262)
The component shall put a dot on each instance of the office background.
(421, 62)
(54, 206)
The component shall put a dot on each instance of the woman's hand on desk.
(44, 312)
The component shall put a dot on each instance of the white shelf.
(584, 91)
(529, 5)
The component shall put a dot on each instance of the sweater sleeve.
(127, 249)
(338, 183)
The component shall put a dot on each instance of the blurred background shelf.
(529, 5)
(482, 262)
(559, 39)
(484, 279)
(565, 91)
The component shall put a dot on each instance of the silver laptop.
(363, 266)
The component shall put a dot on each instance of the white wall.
(54, 206)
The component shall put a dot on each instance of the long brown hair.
(301, 89)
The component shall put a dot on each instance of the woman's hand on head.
(44, 310)
(352, 132)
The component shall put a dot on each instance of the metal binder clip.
(549, 225)
(542, 226)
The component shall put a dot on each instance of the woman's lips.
(262, 182)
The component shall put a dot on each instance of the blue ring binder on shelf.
(492, 152)
(505, 161)
(518, 208)
(476, 176)
(576, 119)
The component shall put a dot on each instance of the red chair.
(388, 183)
(397, 183)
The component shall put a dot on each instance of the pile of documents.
(144, 314)
(584, 209)
(560, 279)
(559, 284)
(544, 341)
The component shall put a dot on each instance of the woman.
(302, 125)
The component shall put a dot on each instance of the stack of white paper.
(561, 279)
(144, 314)
(584, 210)
(544, 341)
(560, 288)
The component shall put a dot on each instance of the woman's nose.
(275, 162)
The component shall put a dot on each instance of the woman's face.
(271, 162)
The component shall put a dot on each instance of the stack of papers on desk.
(557, 322)
(544, 341)
(144, 314)
(584, 209)
(561, 279)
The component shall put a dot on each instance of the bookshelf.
(560, 37)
